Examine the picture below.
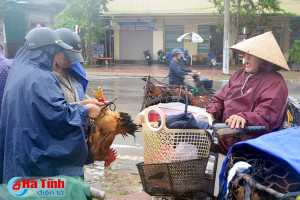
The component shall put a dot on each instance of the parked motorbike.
(162, 58)
(204, 84)
(148, 57)
(185, 58)
(215, 61)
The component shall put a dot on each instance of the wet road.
(129, 91)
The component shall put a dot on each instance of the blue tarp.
(284, 145)
(40, 133)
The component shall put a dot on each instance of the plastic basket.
(163, 145)
(184, 178)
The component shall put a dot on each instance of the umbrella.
(190, 37)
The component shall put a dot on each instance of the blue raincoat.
(283, 145)
(5, 65)
(40, 133)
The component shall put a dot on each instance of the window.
(172, 32)
(204, 32)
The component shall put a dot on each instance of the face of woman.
(252, 62)
(62, 61)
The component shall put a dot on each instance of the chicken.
(107, 127)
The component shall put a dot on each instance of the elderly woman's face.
(252, 62)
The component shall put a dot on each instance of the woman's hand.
(93, 111)
(91, 101)
(234, 121)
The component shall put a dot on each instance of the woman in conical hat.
(255, 95)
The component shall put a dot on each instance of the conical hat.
(263, 46)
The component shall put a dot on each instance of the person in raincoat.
(72, 78)
(40, 133)
(255, 95)
(5, 65)
(176, 71)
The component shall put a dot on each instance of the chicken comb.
(99, 94)
(112, 157)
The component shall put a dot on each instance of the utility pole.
(226, 38)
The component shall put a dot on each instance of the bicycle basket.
(184, 178)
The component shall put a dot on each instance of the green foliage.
(246, 12)
(89, 16)
(75, 14)
(295, 52)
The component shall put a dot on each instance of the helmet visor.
(63, 45)
(73, 56)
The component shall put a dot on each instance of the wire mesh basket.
(270, 178)
(163, 145)
(184, 178)
(156, 92)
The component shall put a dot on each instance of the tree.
(251, 14)
(89, 16)
(4, 5)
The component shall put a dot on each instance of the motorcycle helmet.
(41, 37)
(176, 52)
(71, 38)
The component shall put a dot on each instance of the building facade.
(153, 25)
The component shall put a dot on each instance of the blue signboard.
(136, 26)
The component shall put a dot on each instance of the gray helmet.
(175, 52)
(40, 37)
(72, 39)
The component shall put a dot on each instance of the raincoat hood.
(77, 71)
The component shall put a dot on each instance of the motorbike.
(204, 84)
(215, 61)
(148, 57)
(162, 58)
(185, 58)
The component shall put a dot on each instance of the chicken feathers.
(107, 127)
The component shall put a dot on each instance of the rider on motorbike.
(177, 72)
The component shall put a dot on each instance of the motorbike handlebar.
(254, 129)
(224, 131)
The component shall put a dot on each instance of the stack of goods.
(156, 92)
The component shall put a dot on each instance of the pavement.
(161, 71)
(135, 196)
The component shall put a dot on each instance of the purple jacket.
(259, 97)
(5, 65)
